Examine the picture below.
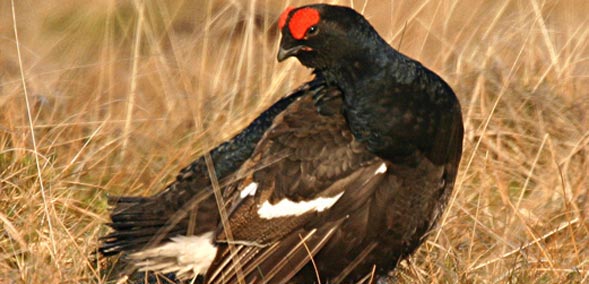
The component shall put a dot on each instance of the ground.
(115, 97)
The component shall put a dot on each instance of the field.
(115, 97)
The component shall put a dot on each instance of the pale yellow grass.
(114, 97)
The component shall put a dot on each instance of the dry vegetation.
(116, 96)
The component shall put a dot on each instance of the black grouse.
(335, 183)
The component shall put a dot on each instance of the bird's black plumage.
(344, 177)
(147, 221)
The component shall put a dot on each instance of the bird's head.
(322, 35)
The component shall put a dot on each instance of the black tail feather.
(133, 225)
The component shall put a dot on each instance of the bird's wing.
(305, 175)
(140, 222)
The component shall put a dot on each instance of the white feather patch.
(286, 207)
(249, 190)
(381, 170)
(186, 256)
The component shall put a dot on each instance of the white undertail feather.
(286, 207)
(382, 169)
(186, 256)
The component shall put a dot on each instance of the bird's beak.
(286, 53)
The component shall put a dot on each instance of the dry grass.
(116, 96)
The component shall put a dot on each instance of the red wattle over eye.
(301, 21)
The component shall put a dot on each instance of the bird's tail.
(144, 222)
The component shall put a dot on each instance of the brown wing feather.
(276, 263)
(301, 164)
(306, 154)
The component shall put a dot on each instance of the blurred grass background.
(123, 94)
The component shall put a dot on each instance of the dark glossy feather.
(141, 222)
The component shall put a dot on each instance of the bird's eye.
(313, 30)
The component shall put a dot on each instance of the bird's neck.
(376, 85)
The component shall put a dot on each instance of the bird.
(335, 183)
